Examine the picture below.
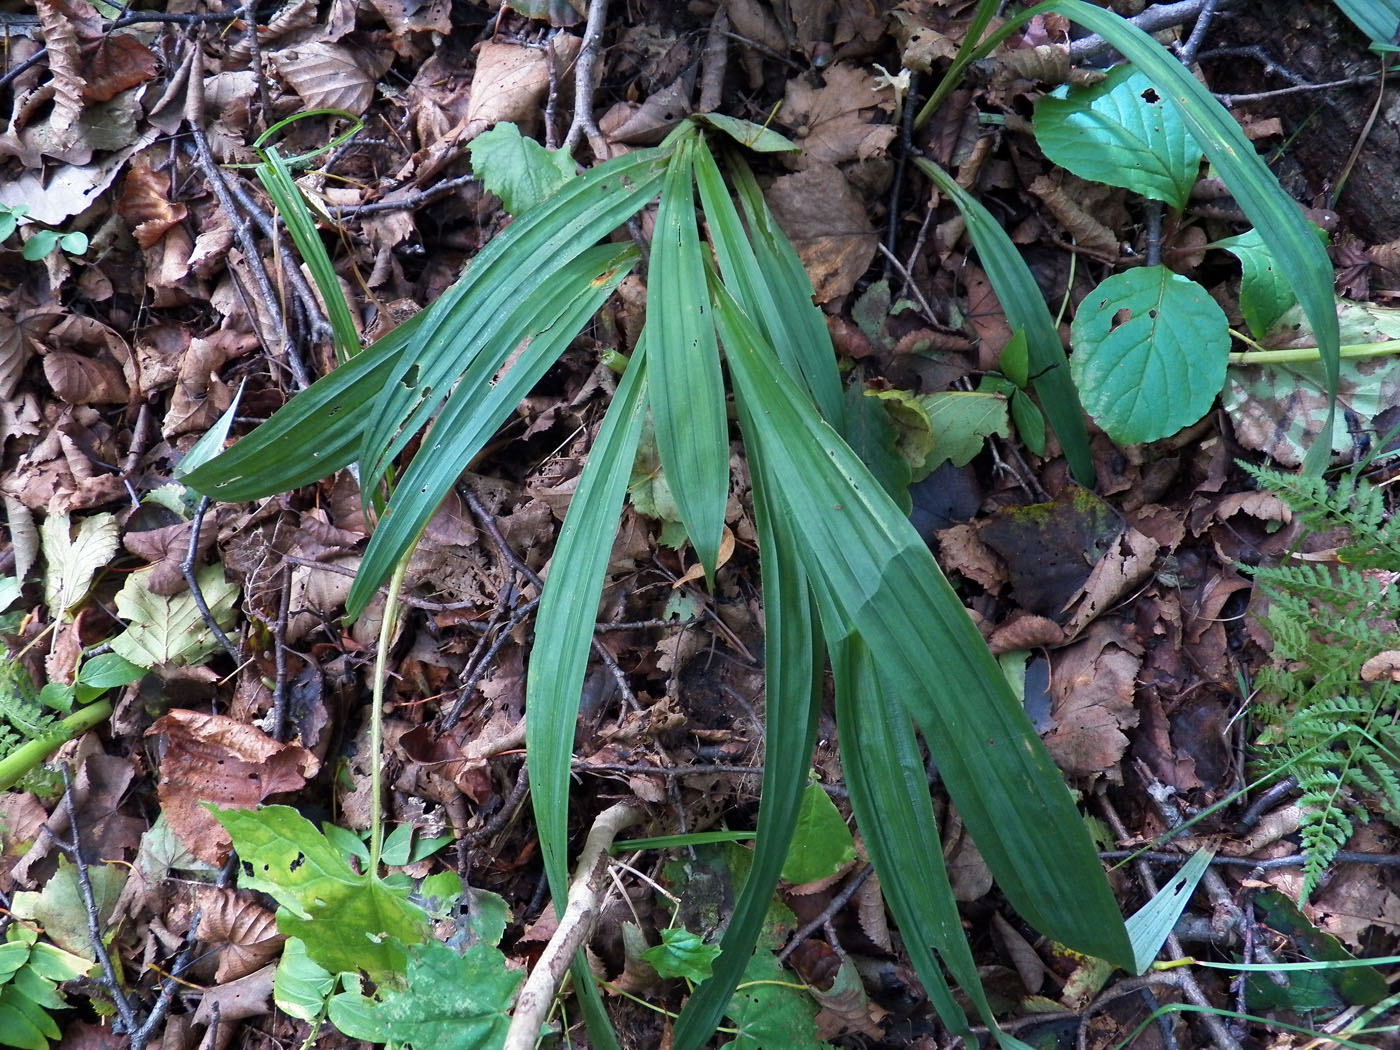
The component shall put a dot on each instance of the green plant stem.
(376, 719)
(1312, 355)
(30, 754)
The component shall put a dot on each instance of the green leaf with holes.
(1120, 132)
(1150, 350)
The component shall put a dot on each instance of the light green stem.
(28, 755)
(1310, 354)
(376, 719)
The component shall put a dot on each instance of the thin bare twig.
(576, 926)
(849, 890)
(187, 570)
(583, 122)
(1155, 18)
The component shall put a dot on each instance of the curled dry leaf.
(211, 758)
(1382, 666)
(1092, 690)
(60, 21)
(145, 205)
(836, 123)
(240, 931)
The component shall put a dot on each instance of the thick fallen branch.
(575, 927)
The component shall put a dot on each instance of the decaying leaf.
(836, 123)
(1092, 685)
(828, 225)
(73, 557)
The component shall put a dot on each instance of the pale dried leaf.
(327, 76)
(73, 558)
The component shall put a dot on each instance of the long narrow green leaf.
(687, 398)
(567, 614)
(545, 322)
(526, 256)
(891, 592)
(277, 179)
(777, 295)
(1026, 310)
(792, 687)
(313, 435)
(811, 349)
(890, 799)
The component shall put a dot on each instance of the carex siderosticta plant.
(844, 575)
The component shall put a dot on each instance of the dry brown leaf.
(239, 930)
(114, 63)
(1087, 231)
(511, 82)
(835, 123)
(1383, 665)
(1092, 685)
(249, 996)
(330, 76)
(212, 758)
(1128, 561)
(61, 20)
(81, 380)
(145, 205)
(828, 225)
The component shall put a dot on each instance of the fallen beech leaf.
(212, 758)
(328, 76)
(834, 123)
(828, 225)
(81, 380)
(239, 930)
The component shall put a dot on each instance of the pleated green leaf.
(687, 387)
(469, 316)
(769, 285)
(536, 332)
(1027, 312)
(864, 554)
(568, 611)
(792, 688)
(313, 435)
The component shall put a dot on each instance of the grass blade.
(859, 549)
(568, 611)
(1026, 310)
(277, 179)
(540, 328)
(687, 400)
(526, 257)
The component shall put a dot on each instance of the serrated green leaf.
(961, 422)
(73, 558)
(348, 922)
(822, 844)
(1146, 377)
(518, 170)
(301, 985)
(168, 630)
(1264, 293)
(451, 1002)
(769, 1013)
(1120, 132)
(682, 953)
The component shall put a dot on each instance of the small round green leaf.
(39, 245)
(1150, 349)
(1120, 132)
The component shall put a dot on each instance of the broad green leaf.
(13, 955)
(821, 844)
(687, 389)
(892, 450)
(769, 1013)
(451, 1001)
(540, 328)
(1120, 132)
(169, 630)
(10, 590)
(961, 421)
(793, 684)
(1264, 293)
(1277, 217)
(210, 443)
(1025, 308)
(1146, 377)
(1378, 19)
(22, 1029)
(1151, 925)
(73, 558)
(40, 244)
(54, 964)
(518, 170)
(301, 985)
(40, 991)
(277, 179)
(348, 922)
(567, 613)
(880, 577)
(103, 672)
(483, 312)
(752, 136)
(682, 954)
